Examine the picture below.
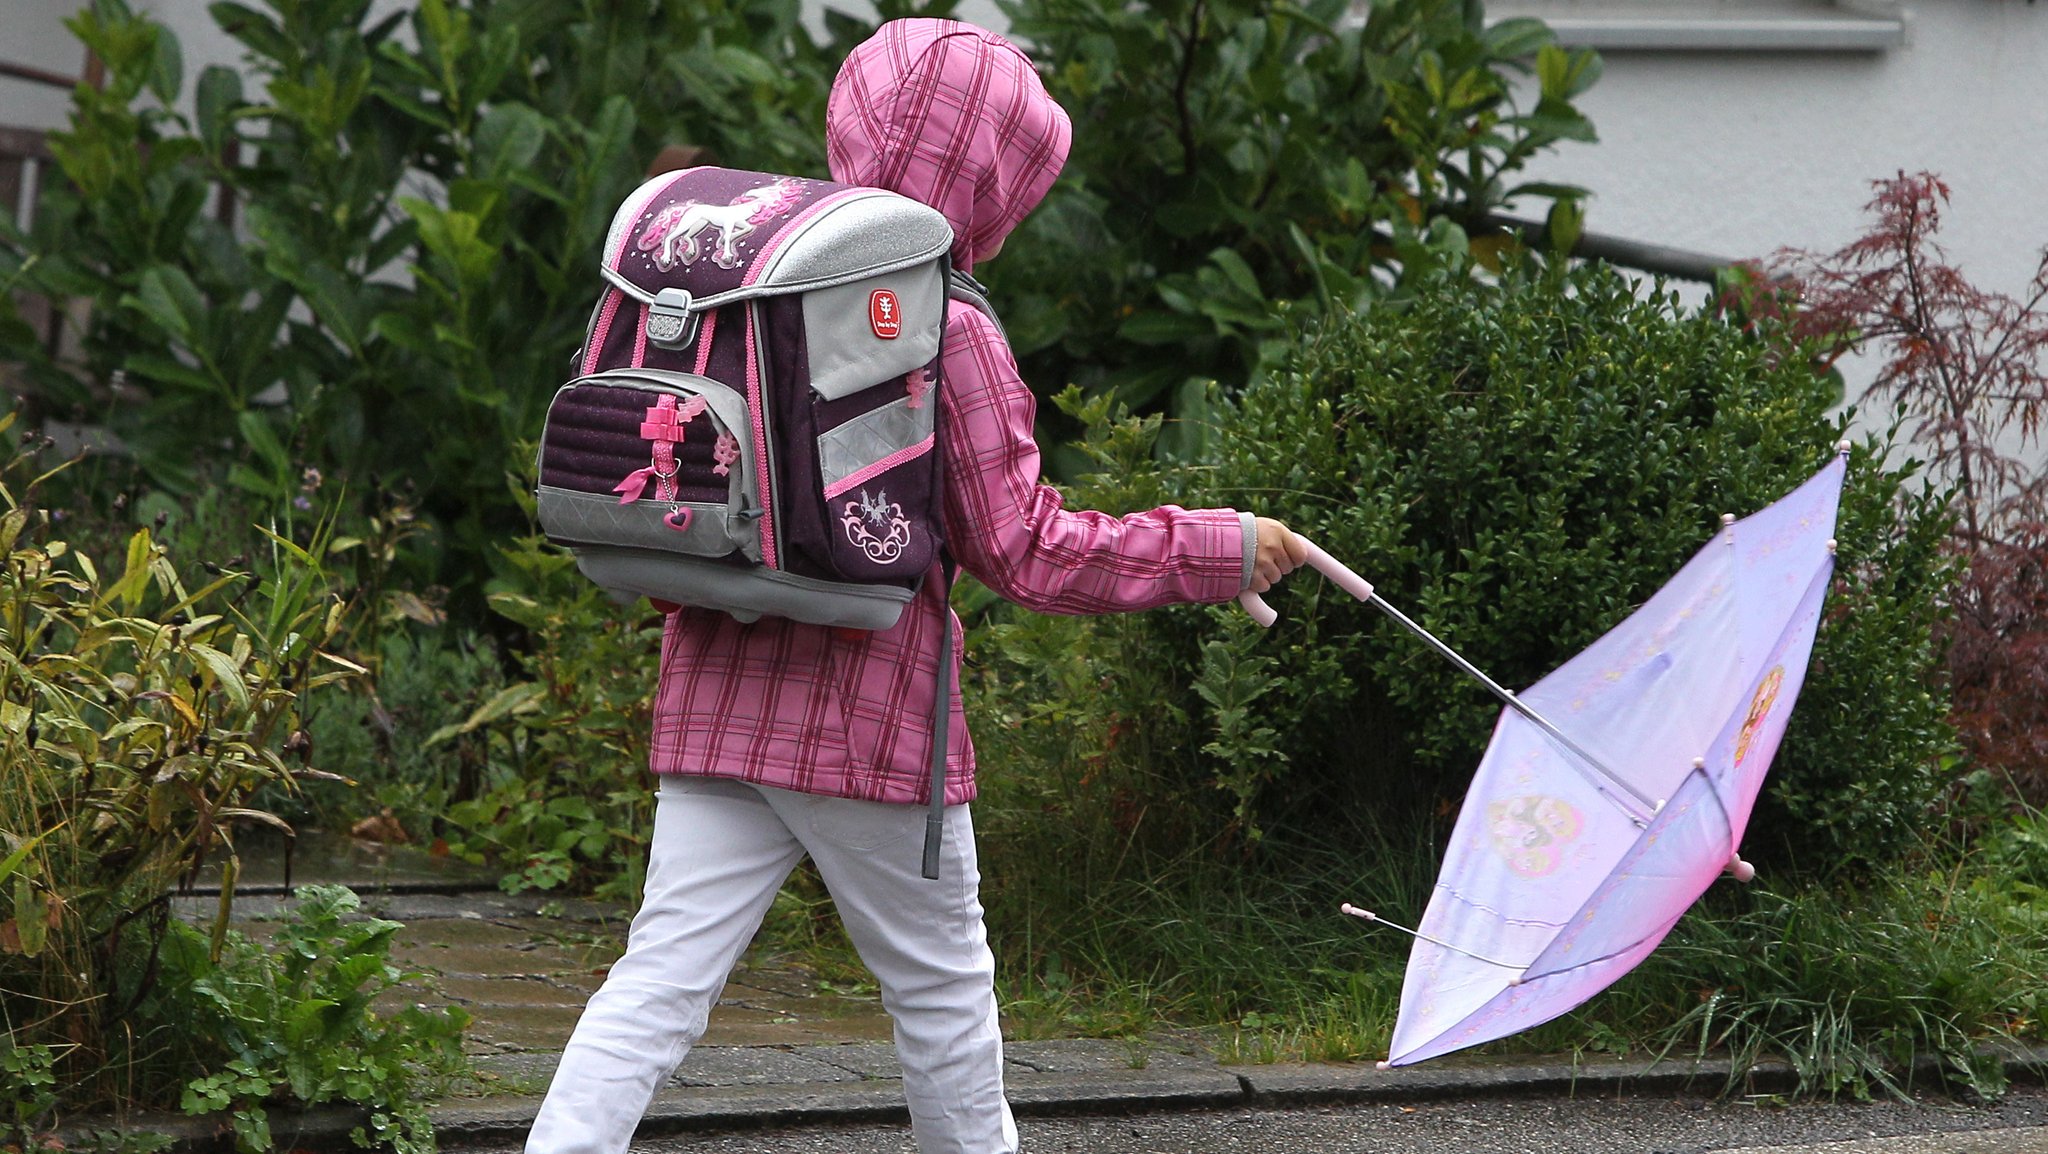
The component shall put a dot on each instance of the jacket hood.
(951, 115)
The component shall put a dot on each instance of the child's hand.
(1279, 553)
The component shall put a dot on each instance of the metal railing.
(1656, 259)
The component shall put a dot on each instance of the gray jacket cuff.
(1251, 548)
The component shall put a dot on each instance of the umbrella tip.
(1699, 763)
(1382, 1065)
(1842, 447)
(1743, 871)
(1831, 546)
(1355, 912)
(1727, 519)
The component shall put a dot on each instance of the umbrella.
(1616, 789)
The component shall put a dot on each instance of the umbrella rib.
(1370, 916)
(1648, 806)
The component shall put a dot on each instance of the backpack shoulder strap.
(961, 287)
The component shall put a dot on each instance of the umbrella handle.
(1321, 562)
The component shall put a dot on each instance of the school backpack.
(751, 427)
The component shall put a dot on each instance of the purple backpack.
(752, 427)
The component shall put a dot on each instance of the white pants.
(720, 851)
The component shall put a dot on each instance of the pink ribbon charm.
(665, 426)
(634, 486)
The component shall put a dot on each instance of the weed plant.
(140, 718)
(422, 681)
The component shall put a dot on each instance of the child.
(774, 740)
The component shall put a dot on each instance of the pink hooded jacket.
(955, 117)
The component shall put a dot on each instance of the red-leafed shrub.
(1967, 369)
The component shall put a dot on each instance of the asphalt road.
(1624, 1125)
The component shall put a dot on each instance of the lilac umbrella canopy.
(1582, 841)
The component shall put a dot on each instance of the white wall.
(1738, 155)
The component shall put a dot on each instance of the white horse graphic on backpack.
(682, 224)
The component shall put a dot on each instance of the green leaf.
(13, 861)
(1239, 272)
(507, 139)
(167, 66)
(455, 238)
(31, 913)
(431, 115)
(253, 28)
(1517, 37)
(134, 580)
(249, 480)
(225, 672)
(404, 330)
(170, 371)
(258, 435)
(510, 701)
(220, 90)
(1161, 328)
(1566, 224)
(1546, 188)
(171, 301)
(1564, 73)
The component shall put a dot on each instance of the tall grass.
(1851, 983)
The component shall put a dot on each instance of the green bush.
(1231, 153)
(421, 680)
(1517, 468)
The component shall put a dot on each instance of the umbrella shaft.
(1515, 703)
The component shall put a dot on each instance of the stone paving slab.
(521, 1028)
(866, 1059)
(1099, 1055)
(758, 1066)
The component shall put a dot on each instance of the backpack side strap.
(959, 287)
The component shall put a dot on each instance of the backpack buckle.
(670, 322)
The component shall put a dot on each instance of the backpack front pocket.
(649, 459)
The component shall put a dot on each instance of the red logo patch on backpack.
(884, 315)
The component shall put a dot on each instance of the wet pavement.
(523, 965)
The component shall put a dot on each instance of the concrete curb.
(1184, 1085)
(1219, 1087)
